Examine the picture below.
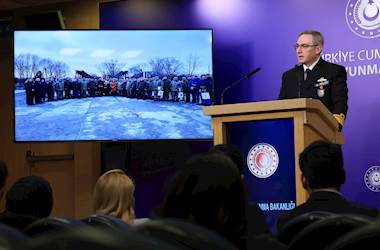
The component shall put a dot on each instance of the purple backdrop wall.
(261, 33)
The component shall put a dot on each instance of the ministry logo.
(372, 178)
(363, 17)
(262, 160)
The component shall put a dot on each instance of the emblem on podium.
(262, 160)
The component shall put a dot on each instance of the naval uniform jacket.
(335, 93)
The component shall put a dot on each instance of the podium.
(280, 130)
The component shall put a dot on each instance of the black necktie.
(307, 74)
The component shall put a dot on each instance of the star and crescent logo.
(363, 17)
(372, 178)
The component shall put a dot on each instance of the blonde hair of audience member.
(113, 195)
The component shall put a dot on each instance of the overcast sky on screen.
(86, 49)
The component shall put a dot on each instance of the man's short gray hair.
(317, 36)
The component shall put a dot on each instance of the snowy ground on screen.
(108, 118)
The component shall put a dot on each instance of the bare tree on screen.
(193, 61)
(165, 66)
(110, 68)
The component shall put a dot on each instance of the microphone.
(298, 72)
(241, 79)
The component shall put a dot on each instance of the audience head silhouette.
(322, 167)
(208, 190)
(30, 195)
(3, 177)
(113, 195)
(231, 151)
(255, 219)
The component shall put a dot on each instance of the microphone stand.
(230, 86)
(298, 72)
(233, 84)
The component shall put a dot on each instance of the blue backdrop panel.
(275, 193)
(244, 39)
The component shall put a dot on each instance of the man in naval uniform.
(315, 77)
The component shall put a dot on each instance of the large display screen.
(112, 85)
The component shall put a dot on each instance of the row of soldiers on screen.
(187, 89)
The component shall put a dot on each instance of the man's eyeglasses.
(304, 46)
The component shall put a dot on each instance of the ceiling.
(15, 4)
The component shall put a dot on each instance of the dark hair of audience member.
(209, 191)
(231, 151)
(3, 174)
(256, 223)
(322, 165)
(30, 195)
(3, 177)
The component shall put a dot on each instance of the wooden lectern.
(310, 119)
